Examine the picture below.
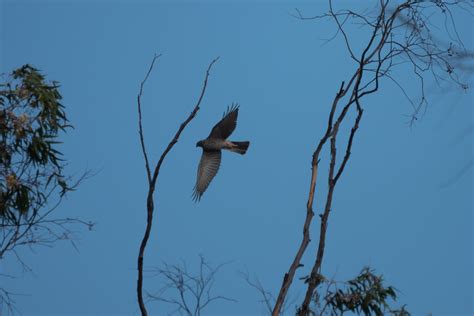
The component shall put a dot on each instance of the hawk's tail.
(239, 147)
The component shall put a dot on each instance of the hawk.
(211, 150)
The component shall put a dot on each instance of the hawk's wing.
(207, 170)
(226, 126)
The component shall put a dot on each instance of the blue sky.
(399, 207)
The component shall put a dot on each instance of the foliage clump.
(31, 166)
(366, 294)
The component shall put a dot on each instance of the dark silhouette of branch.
(399, 35)
(140, 126)
(462, 171)
(267, 298)
(152, 179)
(194, 290)
(7, 302)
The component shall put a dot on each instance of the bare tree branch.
(399, 35)
(194, 290)
(152, 180)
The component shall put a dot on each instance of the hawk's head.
(199, 143)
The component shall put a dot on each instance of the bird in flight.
(211, 150)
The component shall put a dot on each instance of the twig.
(140, 126)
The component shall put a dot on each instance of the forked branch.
(152, 178)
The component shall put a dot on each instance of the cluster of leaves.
(31, 168)
(364, 295)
